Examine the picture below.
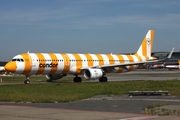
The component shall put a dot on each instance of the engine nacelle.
(51, 77)
(93, 73)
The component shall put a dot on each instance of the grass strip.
(60, 92)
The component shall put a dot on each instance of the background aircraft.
(2, 69)
(171, 67)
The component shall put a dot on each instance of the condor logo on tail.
(48, 65)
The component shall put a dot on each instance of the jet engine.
(93, 73)
(51, 77)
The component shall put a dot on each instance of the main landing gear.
(103, 79)
(77, 79)
(27, 80)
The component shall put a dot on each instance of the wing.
(123, 65)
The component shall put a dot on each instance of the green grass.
(66, 92)
(40, 78)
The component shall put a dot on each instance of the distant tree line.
(2, 63)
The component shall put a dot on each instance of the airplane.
(170, 67)
(2, 69)
(157, 66)
(92, 66)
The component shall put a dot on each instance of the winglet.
(170, 54)
(168, 57)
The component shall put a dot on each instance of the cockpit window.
(18, 60)
(13, 59)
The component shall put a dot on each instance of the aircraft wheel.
(26, 82)
(49, 81)
(77, 79)
(103, 79)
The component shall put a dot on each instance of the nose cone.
(10, 67)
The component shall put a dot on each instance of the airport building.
(162, 55)
(2, 63)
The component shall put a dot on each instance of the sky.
(86, 26)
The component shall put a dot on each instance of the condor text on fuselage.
(47, 65)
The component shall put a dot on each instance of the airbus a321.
(91, 66)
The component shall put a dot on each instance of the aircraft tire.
(103, 79)
(26, 82)
(49, 81)
(77, 79)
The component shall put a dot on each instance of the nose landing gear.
(27, 80)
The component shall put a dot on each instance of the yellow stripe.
(138, 57)
(100, 59)
(66, 64)
(27, 62)
(54, 61)
(131, 60)
(78, 63)
(12, 66)
(152, 39)
(41, 60)
(111, 59)
(89, 60)
(144, 52)
(121, 59)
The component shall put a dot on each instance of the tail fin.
(179, 62)
(145, 48)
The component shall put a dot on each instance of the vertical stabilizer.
(145, 48)
(179, 62)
